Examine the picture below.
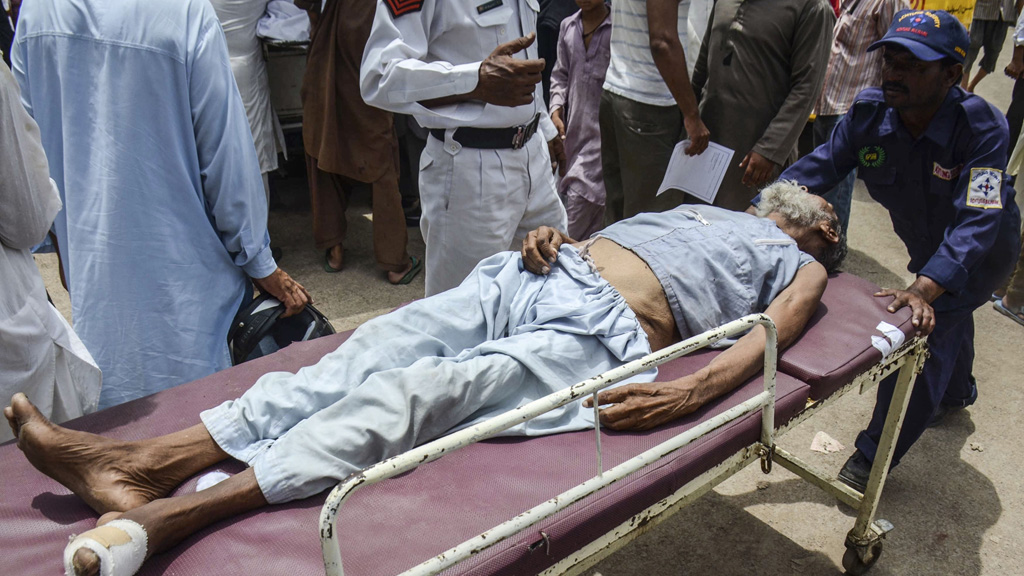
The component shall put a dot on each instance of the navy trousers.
(945, 379)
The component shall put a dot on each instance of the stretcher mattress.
(394, 525)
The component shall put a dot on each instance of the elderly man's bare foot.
(168, 521)
(109, 475)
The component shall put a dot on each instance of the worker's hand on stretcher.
(281, 286)
(918, 296)
(540, 248)
(648, 405)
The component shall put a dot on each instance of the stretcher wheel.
(858, 560)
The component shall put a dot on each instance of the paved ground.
(955, 499)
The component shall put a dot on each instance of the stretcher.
(549, 505)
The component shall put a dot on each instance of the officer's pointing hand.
(506, 80)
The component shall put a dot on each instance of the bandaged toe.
(119, 544)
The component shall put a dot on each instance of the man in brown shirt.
(348, 142)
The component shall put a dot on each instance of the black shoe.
(856, 471)
(940, 414)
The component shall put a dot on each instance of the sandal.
(327, 262)
(417, 265)
(1015, 314)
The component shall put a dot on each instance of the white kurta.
(39, 353)
(164, 212)
(239, 18)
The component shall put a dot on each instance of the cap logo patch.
(984, 189)
(920, 16)
(871, 156)
(400, 7)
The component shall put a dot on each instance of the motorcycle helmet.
(258, 328)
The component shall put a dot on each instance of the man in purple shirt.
(583, 52)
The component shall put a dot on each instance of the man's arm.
(811, 46)
(230, 173)
(669, 57)
(645, 406)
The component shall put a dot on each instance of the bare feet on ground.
(109, 475)
(335, 258)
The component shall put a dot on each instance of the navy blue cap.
(928, 34)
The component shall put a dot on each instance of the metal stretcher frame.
(863, 542)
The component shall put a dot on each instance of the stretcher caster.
(857, 560)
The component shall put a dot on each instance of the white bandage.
(893, 339)
(119, 544)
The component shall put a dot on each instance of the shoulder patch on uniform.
(983, 191)
(400, 7)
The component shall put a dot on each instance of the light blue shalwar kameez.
(164, 212)
(503, 338)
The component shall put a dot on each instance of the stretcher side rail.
(864, 540)
(764, 401)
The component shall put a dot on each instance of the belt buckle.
(524, 132)
(519, 138)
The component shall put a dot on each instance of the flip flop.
(417, 265)
(120, 545)
(327, 262)
(995, 297)
(1015, 315)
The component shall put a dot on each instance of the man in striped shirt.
(851, 68)
(647, 100)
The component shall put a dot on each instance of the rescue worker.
(485, 176)
(934, 156)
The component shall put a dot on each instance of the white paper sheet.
(699, 175)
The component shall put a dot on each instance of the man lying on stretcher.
(521, 326)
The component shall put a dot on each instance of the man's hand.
(556, 149)
(506, 80)
(281, 286)
(645, 406)
(758, 169)
(919, 297)
(540, 249)
(556, 119)
(698, 134)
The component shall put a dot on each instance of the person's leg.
(390, 237)
(610, 128)
(585, 217)
(646, 143)
(1015, 113)
(994, 36)
(548, 332)
(110, 475)
(945, 344)
(977, 40)
(168, 521)
(328, 204)
(543, 206)
(1013, 298)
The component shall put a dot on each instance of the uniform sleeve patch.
(400, 7)
(984, 189)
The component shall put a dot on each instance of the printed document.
(699, 175)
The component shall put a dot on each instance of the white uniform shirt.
(436, 51)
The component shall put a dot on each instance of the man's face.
(908, 82)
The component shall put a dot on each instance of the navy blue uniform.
(953, 208)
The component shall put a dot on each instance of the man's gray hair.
(786, 197)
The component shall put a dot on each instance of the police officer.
(468, 72)
(933, 155)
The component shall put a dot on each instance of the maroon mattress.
(396, 524)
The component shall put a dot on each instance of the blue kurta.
(164, 213)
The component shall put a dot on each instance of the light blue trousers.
(503, 338)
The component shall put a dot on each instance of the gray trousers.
(636, 144)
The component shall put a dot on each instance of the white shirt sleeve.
(29, 197)
(395, 75)
(1018, 33)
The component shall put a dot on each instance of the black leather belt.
(492, 138)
